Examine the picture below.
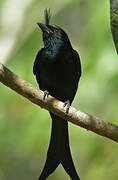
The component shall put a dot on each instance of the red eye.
(56, 31)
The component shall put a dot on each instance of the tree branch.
(114, 21)
(77, 117)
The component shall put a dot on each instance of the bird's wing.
(77, 64)
(36, 62)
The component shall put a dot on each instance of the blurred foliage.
(25, 127)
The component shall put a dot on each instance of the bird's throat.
(51, 50)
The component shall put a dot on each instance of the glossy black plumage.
(57, 69)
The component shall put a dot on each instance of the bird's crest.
(47, 15)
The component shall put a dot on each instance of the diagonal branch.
(75, 116)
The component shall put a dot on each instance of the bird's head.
(53, 35)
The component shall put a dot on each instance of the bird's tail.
(59, 150)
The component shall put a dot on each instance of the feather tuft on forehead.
(47, 15)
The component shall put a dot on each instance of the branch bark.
(114, 21)
(75, 116)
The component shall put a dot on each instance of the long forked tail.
(59, 150)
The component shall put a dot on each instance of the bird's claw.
(67, 105)
(45, 95)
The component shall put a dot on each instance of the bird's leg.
(45, 95)
(67, 105)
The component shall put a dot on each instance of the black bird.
(57, 69)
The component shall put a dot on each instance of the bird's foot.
(45, 95)
(67, 105)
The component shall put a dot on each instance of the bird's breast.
(57, 73)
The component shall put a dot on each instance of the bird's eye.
(56, 31)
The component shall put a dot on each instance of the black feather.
(47, 15)
(57, 68)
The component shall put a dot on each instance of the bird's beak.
(44, 28)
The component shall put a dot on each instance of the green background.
(25, 127)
